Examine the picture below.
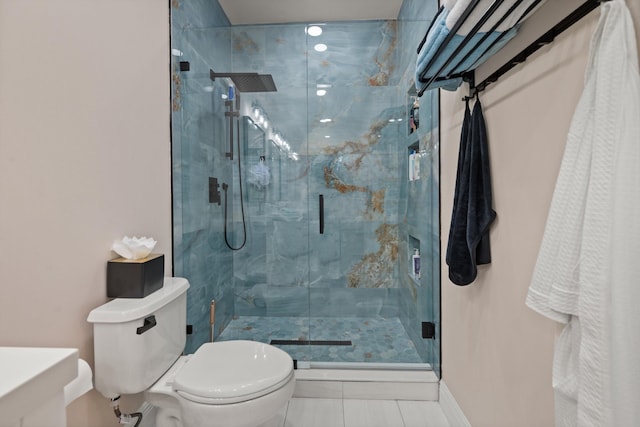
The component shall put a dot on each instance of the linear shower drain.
(309, 342)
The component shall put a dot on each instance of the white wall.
(84, 159)
(497, 353)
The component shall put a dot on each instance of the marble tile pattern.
(419, 209)
(198, 152)
(197, 14)
(357, 161)
(374, 340)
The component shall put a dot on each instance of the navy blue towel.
(472, 204)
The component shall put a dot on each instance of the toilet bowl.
(224, 384)
(138, 346)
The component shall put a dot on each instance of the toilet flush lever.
(149, 322)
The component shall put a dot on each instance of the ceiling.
(243, 12)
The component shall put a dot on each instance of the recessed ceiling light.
(176, 52)
(325, 120)
(314, 31)
(320, 47)
(321, 92)
(327, 136)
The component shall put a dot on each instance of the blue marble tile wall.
(198, 146)
(345, 145)
(271, 274)
(187, 14)
(349, 145)
(419, 223)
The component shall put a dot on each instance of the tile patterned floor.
(302, 412)
(374, 340)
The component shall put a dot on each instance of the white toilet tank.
(136, 340)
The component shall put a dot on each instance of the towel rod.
(495, 27)
(474, 31)
(521, 56)
(424, 39)
(468, 11)
(541, 41)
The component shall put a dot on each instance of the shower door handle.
(321, 209)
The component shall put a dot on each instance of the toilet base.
(244, 414)
(175, 411)
(168, 417)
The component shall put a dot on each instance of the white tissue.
(133, 247)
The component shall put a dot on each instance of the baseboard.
(450, 407)
(148, 416)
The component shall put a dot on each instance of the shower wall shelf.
(541, 28)
(413, 243)
(413, 110)
(414, 169)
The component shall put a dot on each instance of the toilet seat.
(233, 371)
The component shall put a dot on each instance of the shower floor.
(374, 340)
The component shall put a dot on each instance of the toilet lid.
(233, 371)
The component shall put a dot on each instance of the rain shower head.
(248, 82)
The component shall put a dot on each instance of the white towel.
(625, 251)
(588, 262)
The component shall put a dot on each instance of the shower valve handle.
(214, 193)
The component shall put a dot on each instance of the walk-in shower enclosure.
(334, 177)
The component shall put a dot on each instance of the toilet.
(138, 345)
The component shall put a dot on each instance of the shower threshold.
(393, 383)
(360, 366)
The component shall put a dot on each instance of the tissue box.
(134, 278)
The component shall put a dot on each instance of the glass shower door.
(359, 290)
(199, 143)
(271, 274)
(324, 273)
